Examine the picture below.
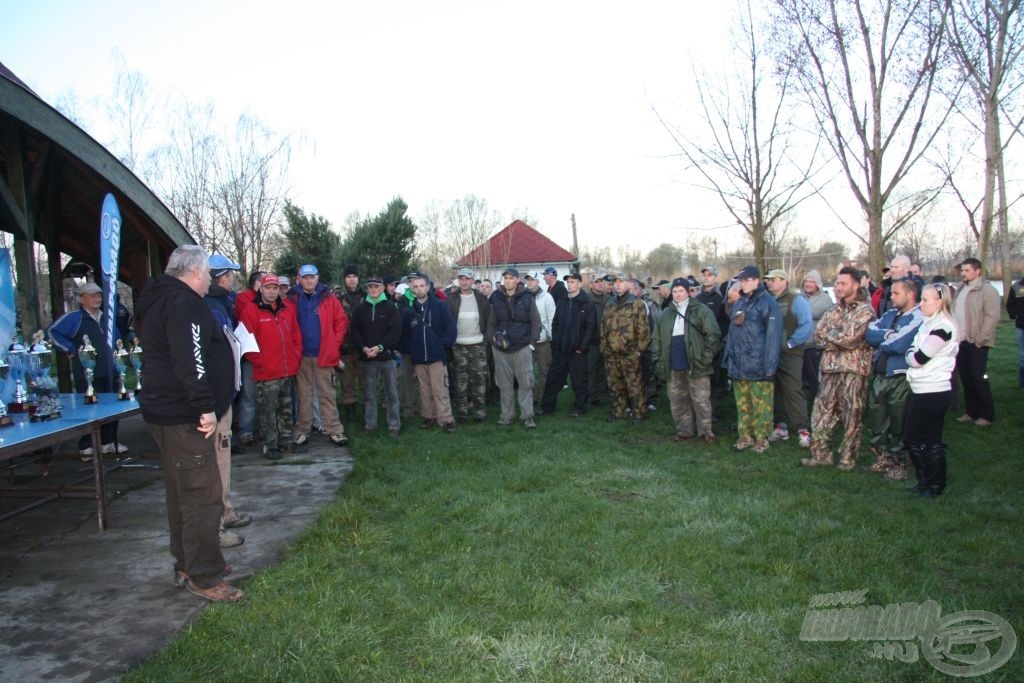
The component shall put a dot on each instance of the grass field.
(589, 551)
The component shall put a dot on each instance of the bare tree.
(745, 153)
(130, 115)
(447, 233)
(987, 39)
(867, 70)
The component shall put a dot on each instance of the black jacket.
(188, 367)
(575, 325)
(376, 325)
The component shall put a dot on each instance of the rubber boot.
(916, 452)
(936, 470)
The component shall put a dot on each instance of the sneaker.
(965, 418)
(805, 438)
(652, 407)
(982, 422)
(222, 592)
(504, 423)
(394, 431)
(339, 439)
(743, 444)
(576, 413)
(846, 466)
(85, 454)
(781, 433)
(271, 453)
(449, 427)
(229, 539)
(237, 521)
(300, 439)
(761, 446)
(115, 448)
(320, 429)
(529, 423)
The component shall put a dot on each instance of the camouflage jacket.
(624, 327)
(841, 334)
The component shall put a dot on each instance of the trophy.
(41, 363)
(87, 355)
(5, 371)
(121, 357)
(18, 362)
(135, 358)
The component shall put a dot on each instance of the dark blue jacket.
(428, 330)
(515, 316)
(67, 334)
(891, 336)
(752, 348)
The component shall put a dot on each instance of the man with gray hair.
(190, 380)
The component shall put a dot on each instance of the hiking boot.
(236, 521)
(679, 436)
(449, 427)
(898, 472)
(805, 438)
(428, 423)
(229, 539)
(529, 423)
(780, 433)
(300, 439)
(339, 439)
(743, 444)
(222, 592)
(883, 461)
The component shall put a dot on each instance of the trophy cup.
(41, 362)
(5, 371)
(87, 355)
(135, 358)
(18, 362)
(121, 357)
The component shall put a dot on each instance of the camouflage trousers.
(470, 373)
(274, 411)
(626, 384)
(840, 397)
(689, 396)
(753, 408)
(887, 404)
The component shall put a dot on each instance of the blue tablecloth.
(75, 414)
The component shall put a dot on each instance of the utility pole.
(575, 244)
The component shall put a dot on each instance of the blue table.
(78, 419)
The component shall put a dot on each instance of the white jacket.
(932, 355)
(546, 308)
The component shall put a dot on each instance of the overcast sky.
(543, 106)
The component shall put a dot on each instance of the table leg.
(100, 475)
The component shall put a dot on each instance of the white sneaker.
(300, 439)
(114, 448)
(805, 438)
(85, 454)
(781, 433)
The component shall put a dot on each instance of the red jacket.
(333, 325)
(277, 333)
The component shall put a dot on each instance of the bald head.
(899, 267)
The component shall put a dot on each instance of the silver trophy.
(121, 358)
(17, 359)
(5, 371)
(41, 363)
(87, 355)
(135, 358)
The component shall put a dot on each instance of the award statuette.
(121, 357)
(18, 362)
(135, 358)
(5, 370)
(41, 362)
(87, 355)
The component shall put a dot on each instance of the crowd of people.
(226, 370)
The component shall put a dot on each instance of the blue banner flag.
(110, 250)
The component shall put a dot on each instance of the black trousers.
(108, 432)
(971, 365)
(574, 366)
(922, 424)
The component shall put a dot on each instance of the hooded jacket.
(820, 302)
(754, 342)
(329, 324)
(428, 330)
(189, 368)
(278, 336)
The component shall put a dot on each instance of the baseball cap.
(466, 272)
(308, 269)
(619, 276)
(711, 269)
(777, 273)
(531, 276)
(574, 276)
(90, 288)
(550, 270)
(748, 272)
(662, 283)
(514, 272)
(220, 263)
(375, 280)
(270, 279)
(608, 278)
(692, 283)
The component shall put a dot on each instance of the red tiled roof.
(517, 243)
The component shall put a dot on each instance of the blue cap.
(308, 269)
(550, 270)
(221, 263)
(749, 272)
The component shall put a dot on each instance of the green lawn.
(589, 551)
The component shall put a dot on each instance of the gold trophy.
(121, 358)
(87, 355)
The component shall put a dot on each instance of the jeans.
(387, 372)
(247, 401)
